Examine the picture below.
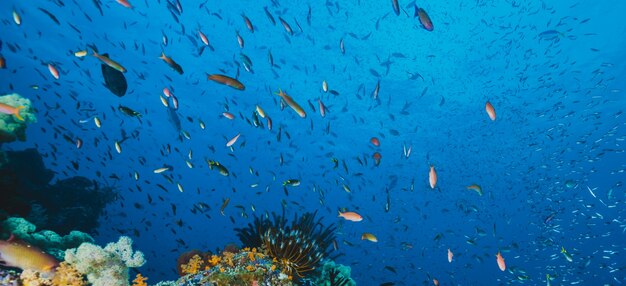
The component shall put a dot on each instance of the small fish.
(432, 177)
(294, 105)
(161, 170)
(171, 63)
(450, 255)
(80, 54)
(490, 111)
(15, 111)
(292, 182)
(322, 108)
(260, 111)
(375, 141)
(324, 86)
(128, 111)
(285, 25)
(124, 3)
(228, 115)
(248, 23)
(239, 40)
(377, 158)
(53, 71)
(118, 148)
(214, 164)
(226, 80)
(369, 236)
(396, 7)
(224, 204)
(79, 143)
(97, 121)
(351, 216)
(568, 257)
(475, 188)
(232, 141)
(3, 63)
(424, 18)
(16, 18)
(203, 38)
(500, 261)
(109, 62)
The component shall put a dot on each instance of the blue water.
(559, 98)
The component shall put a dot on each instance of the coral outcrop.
(11, 127)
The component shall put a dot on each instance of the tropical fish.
(16, 18)
(322, 108)
(351, 216)
(292, 182)
(285, 25)
(128, 111)
(432, 177)
(375, 141)
(450, 255)
(15, 111)
(490, 111)
(109, 62)
(396, 7)
(423, 18)
(214, 164)
(203, 38)
(226, 80)
(232, 141)
(377, 158)
(3, 63)
(114, 79)
(171, 63)
(568, 257)
(475, 188)
(500, 261)
(160, 170)
(124, 3)
(369, 236)
(53, 71)
(294, 105)
(80, 54)
(324, 86)
(19, 254)
(248, 23)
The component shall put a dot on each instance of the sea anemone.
(298, 247)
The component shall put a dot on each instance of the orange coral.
(140, 280)
(214, 260)
(193, 266)
(67, 275)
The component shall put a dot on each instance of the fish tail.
(162, 56)
(17, 113)
(339, 214)
(563, 249)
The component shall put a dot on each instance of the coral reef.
(9, 278)
(332, 274)
(71, 204)
(106, 266)
(12, 128)
(246, 267)
(298, 247)
(46, 240)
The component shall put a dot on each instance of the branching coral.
(140, 280)
(194, 265)
(105, 266)
(332, 274)
(67, 275)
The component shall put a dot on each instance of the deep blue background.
(559, 103)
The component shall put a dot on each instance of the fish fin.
(339, 214)
(162, 56)
(17, 113)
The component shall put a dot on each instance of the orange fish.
(53, 71)
(15, 111)
(375, 141)
(500, 261)
(377, 158)
(19, 254)
(351, 216)
(167, 92)
(435, 282)
(450, 255)
(124, 3)
(3, 63)
(490, 110)
(432, 177)
(294, 105)
(269, 123)
(226, 80)
(109, 62)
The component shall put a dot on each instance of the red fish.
(424, 19)
(432, 177)
(375, 141)
(500, 261)
(490, 111)
(124, 3)
(3, 64)
(19, 254)
(377, 158)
